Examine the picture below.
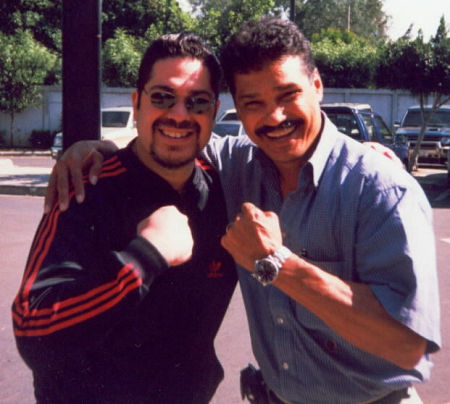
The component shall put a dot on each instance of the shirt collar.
(197, 189)
(319, 158)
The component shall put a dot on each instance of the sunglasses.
(195, 104)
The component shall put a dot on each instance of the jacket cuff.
(145, 257)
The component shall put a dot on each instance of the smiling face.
(170, 138)
(280, 109)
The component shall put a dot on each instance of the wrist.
(267, 269)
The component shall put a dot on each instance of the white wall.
(391, 105)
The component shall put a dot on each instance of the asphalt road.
(19, 217)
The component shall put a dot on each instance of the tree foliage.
(121, 60)
(344, 59)
(24, 64)
(138, 16)
(220, 19)
(365, 18)
(43, 18)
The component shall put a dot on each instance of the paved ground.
(232, 343)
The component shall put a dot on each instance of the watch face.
(265, 271)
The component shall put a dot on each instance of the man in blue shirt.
(334, 244)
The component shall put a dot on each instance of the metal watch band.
(268, 268)
(282, 254)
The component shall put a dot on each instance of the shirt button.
(285, 365)
(280, 320)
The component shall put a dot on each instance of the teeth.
(284, 130)
(280, 133)
(175, 135)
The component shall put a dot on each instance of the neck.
(176, 177)
(288, 176)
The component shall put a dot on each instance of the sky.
(424, 14)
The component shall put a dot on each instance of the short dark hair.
(262, 41)
(179, 45)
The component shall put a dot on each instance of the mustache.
(171, 123)
(287, 124)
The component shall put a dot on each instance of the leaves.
(344, 59)
(24, 64)
(416, 66)
(121, 60)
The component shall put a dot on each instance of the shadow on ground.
(437, 189)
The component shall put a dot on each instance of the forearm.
(352, 311)
(72, 293)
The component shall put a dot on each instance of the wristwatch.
(267, 269)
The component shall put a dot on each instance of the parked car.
(118, 125)
(361, 123)
(448, 167)
(233, 128)
(228, 115)
(436, 141)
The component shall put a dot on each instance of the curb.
(28, 190)
(25, 152)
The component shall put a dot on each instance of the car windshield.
(439, 118)
(115, 119)
(227, 129)
(230, 116)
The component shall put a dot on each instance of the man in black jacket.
(123, 295)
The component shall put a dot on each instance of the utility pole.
(81, 70)
(349, 16)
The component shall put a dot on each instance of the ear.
(216, 108)
(317, 83)
(135, 103)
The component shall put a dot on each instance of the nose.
(275, 114)
(179, 110)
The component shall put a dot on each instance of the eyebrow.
(172, 91)
(281, 88)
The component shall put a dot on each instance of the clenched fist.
(253, 235)
(168, 230)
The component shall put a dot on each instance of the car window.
(230, 116)
(371, 132)
(227, 129)
(115, 119)
(439, 118)
(385, 133)
(346, 123)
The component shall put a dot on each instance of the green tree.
(24, 64)
(138, 16)
(43, 18)
(423, 68)
(216, 25)
(365, 18)
(121, 60)
(344, 59)
(208, 28)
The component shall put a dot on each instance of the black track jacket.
(100, 318)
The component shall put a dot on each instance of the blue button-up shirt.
(358, 216)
